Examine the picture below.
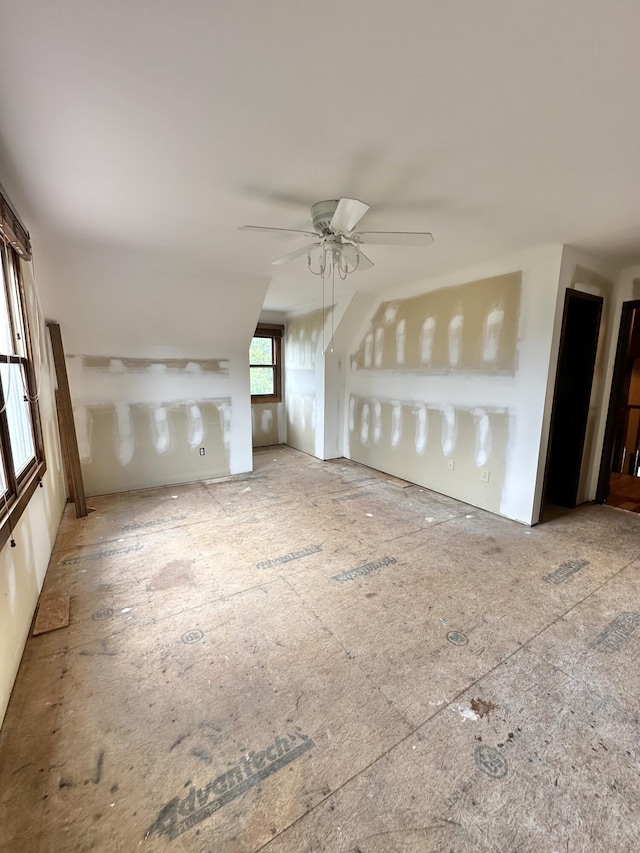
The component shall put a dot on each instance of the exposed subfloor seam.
(438, 711)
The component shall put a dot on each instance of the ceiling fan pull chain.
(324, 319)
(333, 305)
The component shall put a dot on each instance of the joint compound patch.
(294, 555)
(565, 570)
(617, 633)
(491, 761)
(153, 523)
(100, 555)
(363, 571)
(181, 814)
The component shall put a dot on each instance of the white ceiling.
(164, 125)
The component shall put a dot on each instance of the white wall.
(521, 394)
(627, 287)
(304, 366)
(174, 313)
(22, 569)
(350, 311)
(316, 346)
(331, 381)
(616, 288)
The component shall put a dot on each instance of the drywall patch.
(83, 423)
(364, 424)
(366, 569)
(419, 440)
(162, 444)
(377, 421)
(195, 425)
(183, 813)
(401, 334)
(427, 333)
(301, 418)
(454, 337)
(378, 348)
(448, 440)
(565, 571)
(121, 364)
(469, 327)
(141, 422)
(125, 445)
(483, 437)
(421, 429)
(491, 333)
(302, 334)
(264, 422)
(396, 422)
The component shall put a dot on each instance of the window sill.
(265, 398)
(17, 505)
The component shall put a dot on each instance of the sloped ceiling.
(159, 127)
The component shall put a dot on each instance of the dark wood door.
(614, 438)
(574, 378)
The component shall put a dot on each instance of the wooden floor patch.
(53, 613)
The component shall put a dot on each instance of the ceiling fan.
(334, 238)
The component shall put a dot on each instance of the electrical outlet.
(451, 464)
(484, 476)
(202, 451)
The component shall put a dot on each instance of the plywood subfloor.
(315, 657)
(52, 614)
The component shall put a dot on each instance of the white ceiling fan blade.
(351, 254)
(347, 215)
(296, 254)
(278, 230)
(394, 238)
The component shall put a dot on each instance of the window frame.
(275, 333)
(19, 486)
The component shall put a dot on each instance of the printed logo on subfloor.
(183, 813)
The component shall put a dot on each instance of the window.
(21, 457)
(265, 360)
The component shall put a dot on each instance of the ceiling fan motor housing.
(322, 214)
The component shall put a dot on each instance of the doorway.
(619, 481)
(574, 379)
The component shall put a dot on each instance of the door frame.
(570, 294)
(617, 385)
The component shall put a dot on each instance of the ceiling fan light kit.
(336, 241)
